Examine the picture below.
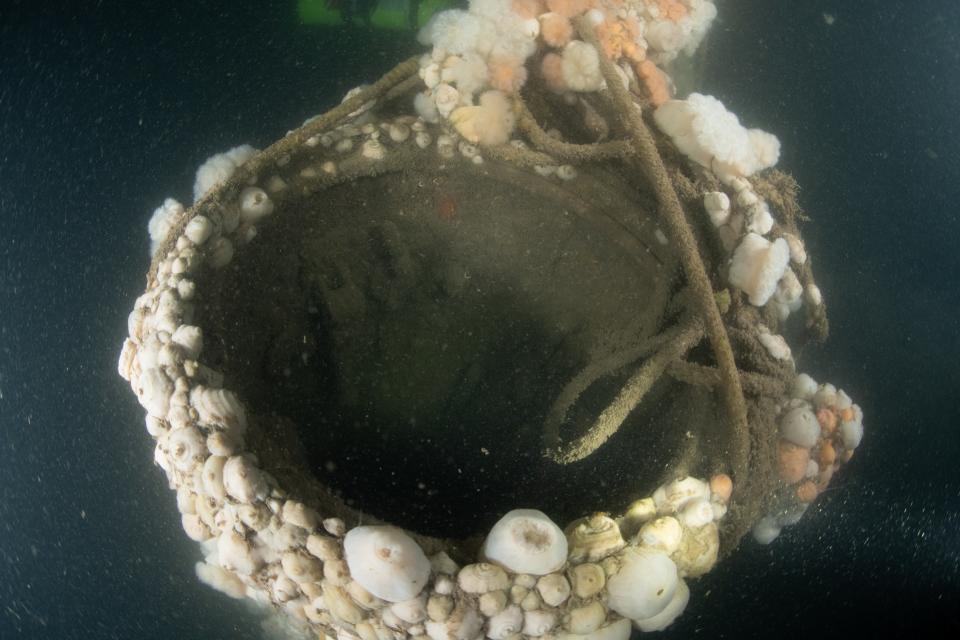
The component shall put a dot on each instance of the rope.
(693, 266)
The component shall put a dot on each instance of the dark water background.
(108, 107)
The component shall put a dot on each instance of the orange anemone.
(722, 487)
(827, 419)
(655, 82)
(807, 491)
(793, 460)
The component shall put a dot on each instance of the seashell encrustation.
(594, 538)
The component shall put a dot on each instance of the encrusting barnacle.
(516, 103)
(594, 538)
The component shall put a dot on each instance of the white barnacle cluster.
(531, 580)
(820, 428)
(227, 502)
(481, 56)
(591, 580)
(363, 139)
(598, 578)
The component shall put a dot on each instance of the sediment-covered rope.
(567, 151)
(630, 395)
(693, 266)
(756, 384)
(589, 375)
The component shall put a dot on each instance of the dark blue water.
(107, 108)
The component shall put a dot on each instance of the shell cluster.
(820, 429)
(597, 578)
(534, 579)
(375, 582)
(364, 142)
